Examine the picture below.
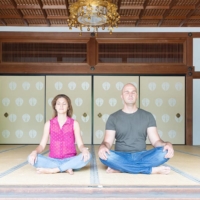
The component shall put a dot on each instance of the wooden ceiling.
(133, 13)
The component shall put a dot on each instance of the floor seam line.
(187, 153)
(9, 171)
(186, 175)
(12, 148)
(94, 176)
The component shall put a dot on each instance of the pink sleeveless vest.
(62, 140)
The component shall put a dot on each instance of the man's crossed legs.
(144, 162)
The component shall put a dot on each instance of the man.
(130, 127)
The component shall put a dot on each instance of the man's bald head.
(128, 85)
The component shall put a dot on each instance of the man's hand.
(168, 147)
(103, 150)
(106, 144)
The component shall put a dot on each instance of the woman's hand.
(85, 154)
(33, 157)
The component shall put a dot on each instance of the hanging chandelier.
(93, 14)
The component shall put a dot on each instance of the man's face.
(129, 94)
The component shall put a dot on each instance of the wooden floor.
(18, 180)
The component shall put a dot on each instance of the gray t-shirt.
(131, 129)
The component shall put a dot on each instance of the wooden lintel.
(196, 75)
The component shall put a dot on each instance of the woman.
(63, 131)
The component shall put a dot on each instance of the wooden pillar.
(189, 92)
(92, 52)
(0, 51)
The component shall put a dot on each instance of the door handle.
(84, 114)
(99, 115)
(6, 114)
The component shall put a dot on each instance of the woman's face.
(61, 106)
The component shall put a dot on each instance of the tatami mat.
(26, 174)
(173, 179)
(187, 163)
(195, 150)
(15, 156)
(6, 147)
(14, 170)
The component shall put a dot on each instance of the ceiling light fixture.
(93, 14)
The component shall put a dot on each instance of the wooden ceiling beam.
(190, 13)
(119, 5)
(195, 17)
(28, 7)
(44, 12)
(151, 17)
(175, 17)
(10, 17)
(67, 7)
(7, 7)
(142, 12)
(54, 7)
(183, 7)
(130, 7)
(59, 25)
(57, 17)
(144, 17)
(134, 16)
(157, 7)
(39, 25)
(171, 5)
(126, 25)
(3, 22)
(129, 17)
(19, 12)
(166, 13)
(34, 17)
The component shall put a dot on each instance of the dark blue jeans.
(135, 163)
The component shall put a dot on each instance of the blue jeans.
(135, 163)
(75, 162)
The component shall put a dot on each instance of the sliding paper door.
(78, 89)
(107, 99)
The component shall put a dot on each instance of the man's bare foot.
(161, 170)
(70, 171)
(47, 170)
(110, 170)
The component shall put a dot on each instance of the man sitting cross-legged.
(130, 127)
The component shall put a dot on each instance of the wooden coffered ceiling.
(133, 13)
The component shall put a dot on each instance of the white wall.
(196, 93)
(119, 29)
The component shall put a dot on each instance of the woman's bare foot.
(110, 170)
(161, 170)
(47, 170)
(70, 171)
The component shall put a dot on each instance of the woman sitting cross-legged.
(63, 131)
